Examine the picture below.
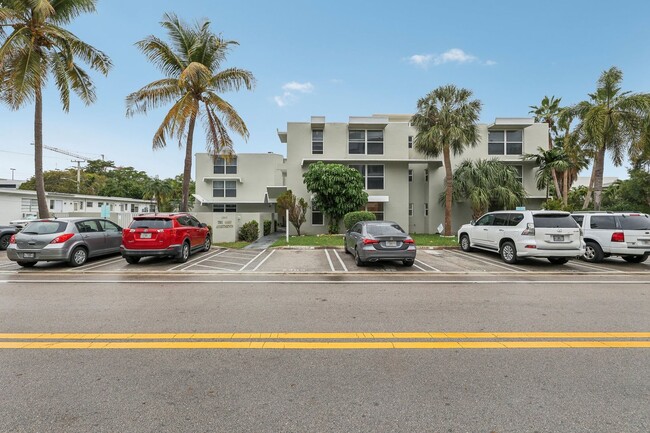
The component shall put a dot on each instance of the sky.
(338, 59)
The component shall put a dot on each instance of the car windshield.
(45, 227)
(635, 222)
(151, 223)
(551, 221)
(384, 229)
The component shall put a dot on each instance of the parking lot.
(329, 261)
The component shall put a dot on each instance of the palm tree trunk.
(590, 188)
(553, 173)
(43, 209)
(565, 188)
(599, 167)
(449, 179)
(187, 168)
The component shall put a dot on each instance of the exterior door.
(498, 229)
(481, 229)
(93, 236)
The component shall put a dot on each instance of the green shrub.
(267, 227)
(352, 218)
(249, 232)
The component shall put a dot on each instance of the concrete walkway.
(266, 241)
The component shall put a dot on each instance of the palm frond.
(153, 95)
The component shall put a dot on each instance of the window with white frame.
(410, 209)
(373, 175)
(225, 165)
(426, 209)
(89, 204)
(410, 175)
(410, 141)
(316, 216)
(224, 188)
(365, 142)
(505, 142)
(376, 208)
(224, 207)
(317, 141)
(426, 175)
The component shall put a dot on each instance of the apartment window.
(81, 205)
(410, 209)
(426, 175)
(316, 216)
(426, 209)
(365, 142)
(373, 175)
(51, 204)
(225, 166)
(223, 207)
(410, 175)
(224, 188)
(89, 204)
(317, 141)
(134, 208)
(505, 142)
(410, 142)
(377, 209)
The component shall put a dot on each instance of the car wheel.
(509, 252)
(357, 259)
(558, 260)
(207, 244)
(408, 263)
(78, 257)
(185, 253)
(635, 259)
(593, 252)
(465, 244)
(4, 242)
(25, 264)
(132, 260)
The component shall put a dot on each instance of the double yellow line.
(350, 341)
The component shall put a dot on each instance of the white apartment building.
(402, 184)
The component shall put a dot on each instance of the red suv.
(164, 235)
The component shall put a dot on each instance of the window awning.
(211, 178)
(377, 199)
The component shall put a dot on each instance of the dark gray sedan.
(371, 241)
(71, 240)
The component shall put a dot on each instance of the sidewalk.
(266, 241)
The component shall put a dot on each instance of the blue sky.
(340, 59)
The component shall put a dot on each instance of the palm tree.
(576, 156)
(193, 82)
(548, 112)
(487, 184)
(611, 121)
(446, 122)
(160, 191)
(548, 162)
(37, 47)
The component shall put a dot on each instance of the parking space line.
(252, 260)
(487, 261)
(329, 261)
(263, 260)
(206, 258)
(97, 265)
(428, 266)
(340, 261)
(246, 255)
(226, 262)
(212, 268)
(422, 269)
(194, 260)
(595, 267)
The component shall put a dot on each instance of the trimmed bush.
(267, 227)
(249, 232)
(352, 218)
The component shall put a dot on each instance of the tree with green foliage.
(125, 182)
(488, 184)
(446, 122)
(611, 121)
(159, 190)
(548, 112)
(194, 80)
(336, 190)
(351, 218)
(631, 194)
(38, 47)
(297, 208)
(548, 163)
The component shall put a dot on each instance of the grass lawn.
(337, 241)
(233, 245)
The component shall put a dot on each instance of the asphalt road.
(182, 386)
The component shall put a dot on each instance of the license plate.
(145, 235)
(558, 238)
(28, 255)
(391, 243)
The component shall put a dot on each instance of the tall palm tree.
(194, 79)
(548, 162)
(611, 121)
(548, 112)
(487, 184)
(160, 191)
(446, 122)
(576, 156)
(37, 47)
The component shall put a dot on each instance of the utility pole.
(79, 160)
(12, 173)
(78, 173)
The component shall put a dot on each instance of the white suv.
(622, 234)
(518, 234)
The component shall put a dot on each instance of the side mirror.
(203, 225)
(472, 222)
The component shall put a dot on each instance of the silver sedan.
(371, 241)
(71, 240)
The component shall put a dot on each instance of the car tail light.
(370, 241)
(531, 246)
(409, 241)
(529, 230)
(62, 238)
(12, 239)
(618, 237)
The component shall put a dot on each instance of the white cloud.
(291, 91)
(454, 55)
